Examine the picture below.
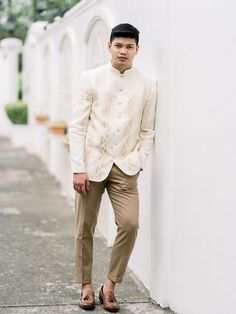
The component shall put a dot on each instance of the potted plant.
(17, 112)
(41, 118)
(58, 127)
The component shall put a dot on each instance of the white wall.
(9, 51)
(185, 249)
(203, 148)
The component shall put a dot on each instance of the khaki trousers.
(123, 193)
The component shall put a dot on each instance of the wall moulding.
(96, 39)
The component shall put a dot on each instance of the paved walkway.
(36, 245)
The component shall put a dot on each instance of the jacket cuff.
(76, 169)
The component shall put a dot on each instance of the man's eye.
(118, 46)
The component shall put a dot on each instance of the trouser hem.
(114, 279)
(83, 282)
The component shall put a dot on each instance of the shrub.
(17, 112)
(58, 124)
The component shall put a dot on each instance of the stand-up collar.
(118, 72)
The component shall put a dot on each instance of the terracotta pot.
(41, 118)
(57, 129)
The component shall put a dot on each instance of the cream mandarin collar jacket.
(113, 122)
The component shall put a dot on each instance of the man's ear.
(137, 48)
(108, 46)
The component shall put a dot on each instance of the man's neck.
(121, 69)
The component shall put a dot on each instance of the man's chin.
(122, 65)
(123, 61)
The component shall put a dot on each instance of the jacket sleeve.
(147, 127)
(78, 125)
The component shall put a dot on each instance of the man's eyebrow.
(128, 44)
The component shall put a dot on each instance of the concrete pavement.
(36, 245)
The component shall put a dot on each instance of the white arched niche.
(66, 78)
(97, 39)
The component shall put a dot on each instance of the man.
(110, 136)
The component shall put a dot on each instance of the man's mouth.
(122, 58)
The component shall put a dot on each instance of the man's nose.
(123, 51)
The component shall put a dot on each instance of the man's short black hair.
(125, 30)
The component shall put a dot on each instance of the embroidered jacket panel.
(113, 122)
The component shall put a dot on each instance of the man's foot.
(87, 300)
(108, 300)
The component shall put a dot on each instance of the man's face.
(123, 51)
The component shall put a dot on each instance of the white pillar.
(33, 68)
(9, 51)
